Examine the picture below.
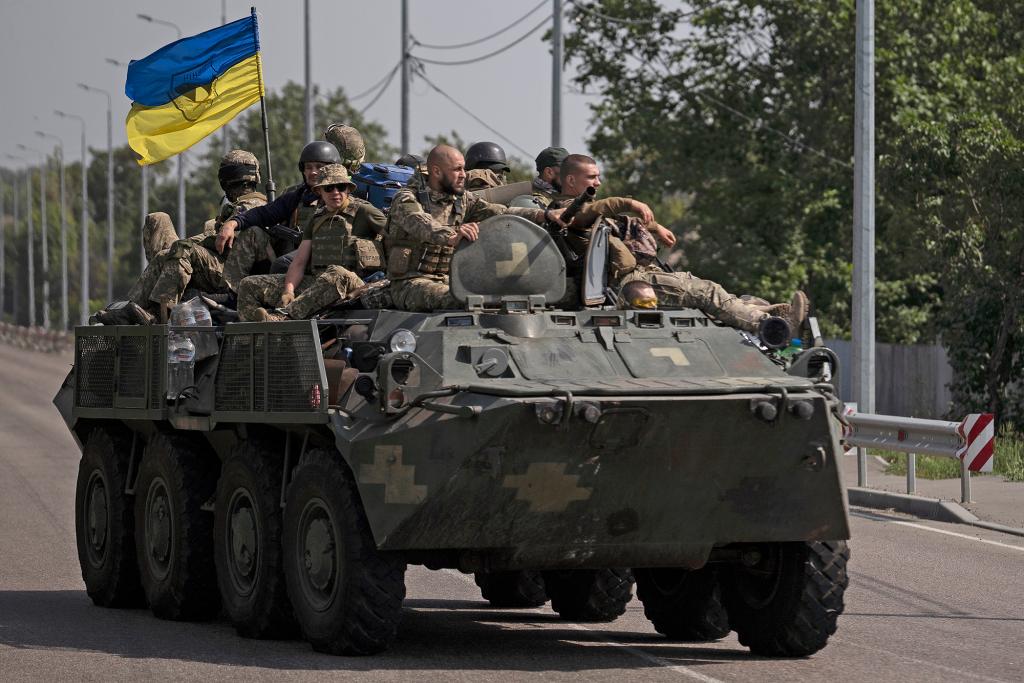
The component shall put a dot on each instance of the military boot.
(794, 313)
(265, 316)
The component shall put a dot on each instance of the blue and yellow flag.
(186, 90)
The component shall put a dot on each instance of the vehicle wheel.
(346, 595)
(786, 605)
(174, 536)
(105, 521)
(683, 604)
(590, 594)
(512, 589)
(247, 543)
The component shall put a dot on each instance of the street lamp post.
(45, 232)
(144, 185)
(63, 232)
(84, 246)
(181, 155)
(30, 237)
(110, 188)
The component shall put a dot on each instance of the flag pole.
(271, 188)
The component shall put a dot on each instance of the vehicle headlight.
(402, 341)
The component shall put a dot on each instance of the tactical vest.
(410, 257)
(334, 245)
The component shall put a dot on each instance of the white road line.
(636, 652)
(892, 520)
(922, 662)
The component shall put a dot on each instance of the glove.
(286, 299)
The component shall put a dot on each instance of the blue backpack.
(378, 183)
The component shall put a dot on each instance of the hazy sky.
(47, 47)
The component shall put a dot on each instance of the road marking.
(892, 520)
(636, 652)
(922, 662)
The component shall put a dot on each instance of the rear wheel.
(784, 601)
(346, 595)
(683, 604)
(247, 543)
(512, 589)
(105, 521)
(591, 595)
(174, 536)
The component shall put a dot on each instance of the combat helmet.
(333, 174)
(318, 150)
(488, 155)
(238, 166)
(349, 143)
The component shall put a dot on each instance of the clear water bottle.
(202, 316)
(796, 345)
(181, 354)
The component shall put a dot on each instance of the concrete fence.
(36, 338)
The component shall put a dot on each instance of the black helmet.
(486, 155)
(319, 150)
(410, 160)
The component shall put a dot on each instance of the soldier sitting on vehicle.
(336, 252)
(674, 290)
(425, 224)
(486, 166)
(546, 184)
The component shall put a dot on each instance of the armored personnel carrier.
(557, 454)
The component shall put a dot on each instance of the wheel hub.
(318, 553)
(159, 528)
(243, 542)
(97, 522)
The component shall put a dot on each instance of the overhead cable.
(383, 88)
(485, 38)
(489, 54)
(373, 87)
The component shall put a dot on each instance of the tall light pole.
(45, 261)
(30, 238)
(556, 75)
(181, 155)
(84, 246)
(144, 185)
(309, 76)
(406, 75)
(110, 187)
(14, 228)
(63, 232)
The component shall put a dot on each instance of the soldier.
(336, 252)
(425, 224)
(546, 185)
(486, 166)
(674, 290)
(193, 260)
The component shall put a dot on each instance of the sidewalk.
(995, 500)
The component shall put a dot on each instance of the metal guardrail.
(971, 441)
(36, 338)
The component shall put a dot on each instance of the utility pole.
(63, 232)
(310, 135)
(14, 229)
(556, 75)
(84, 246)
(406, 75)
(30, 238)
(864, 221)
(110, 189)
(45, 261)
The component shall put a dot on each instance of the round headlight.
(402, 341)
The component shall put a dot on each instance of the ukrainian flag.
(186, 90)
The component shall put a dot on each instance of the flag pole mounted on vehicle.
(271, 188)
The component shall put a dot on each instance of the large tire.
(174, 536)
(787, 604)
(247, 543)
(512, 589)
(590, 595)
(346, 595)
(105, 521)
(683, 604)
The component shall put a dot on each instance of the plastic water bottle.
(796, 345)
(181, 353)
(202, 316)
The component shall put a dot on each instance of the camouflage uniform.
(420, 224)
(543, 192)
(350, 144)
(333, 284)
(483, 179)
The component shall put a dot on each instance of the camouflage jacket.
(483, 179)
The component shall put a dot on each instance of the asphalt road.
(927, 602)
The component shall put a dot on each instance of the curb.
(925, 508)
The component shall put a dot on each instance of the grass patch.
(1009, 460)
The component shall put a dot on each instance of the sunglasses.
(339, 187)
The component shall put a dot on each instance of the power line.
(489, 54)
(373, 87)
(473, 116)
(485, 38)
(383, 89)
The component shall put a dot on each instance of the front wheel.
(592, 595)
(346, 595)
(785, 599)
(683, 604)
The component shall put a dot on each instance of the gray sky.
(47, 47)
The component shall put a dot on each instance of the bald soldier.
(427, 222)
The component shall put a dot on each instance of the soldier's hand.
(555, 216)
(287, 298)
(225, 236)
(646, 215)
(467, 231)
(664, 235)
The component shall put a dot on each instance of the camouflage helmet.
(350, 144)
(333, 174)
(238, 166)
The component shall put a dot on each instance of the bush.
(1009, 460)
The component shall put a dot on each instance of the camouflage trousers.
(158, 234)
(684, 290)
(187, 263)
(250, 246)
(313, 294)
(423, 295)
(139, 293)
